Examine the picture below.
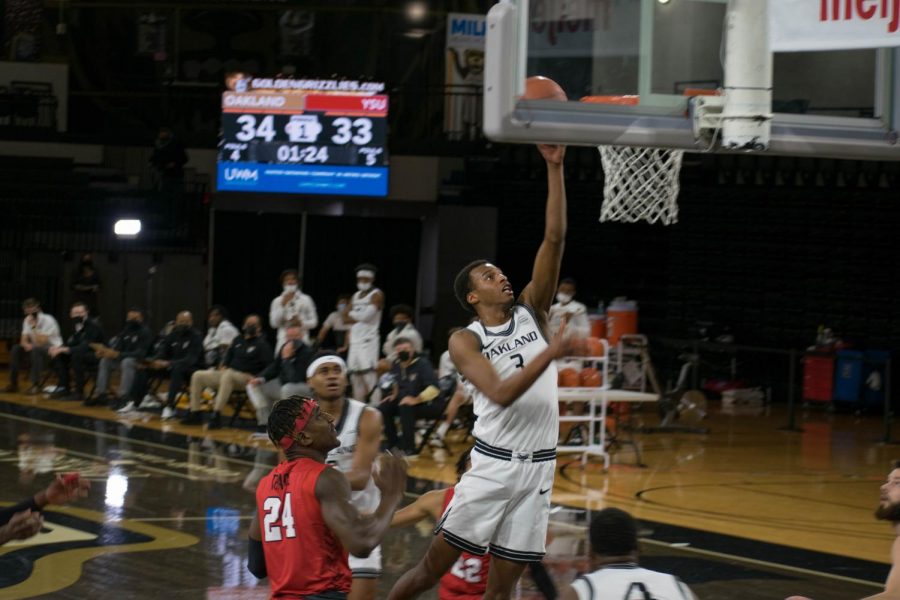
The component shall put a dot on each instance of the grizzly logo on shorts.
(502, 349)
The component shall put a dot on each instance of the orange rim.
(617, 100)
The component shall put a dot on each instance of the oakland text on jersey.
(501, 349)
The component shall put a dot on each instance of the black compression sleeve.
(7, 513)
(256, 562)
(543, 580)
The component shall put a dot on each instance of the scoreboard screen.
(303, 136)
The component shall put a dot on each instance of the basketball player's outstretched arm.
(544, 276)
(465, 350)
(428, 505)
(358, 533)
(367, 446)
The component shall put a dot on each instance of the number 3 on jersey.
(520, 360)
(271, 528)
(468, 569)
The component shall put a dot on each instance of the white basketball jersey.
(362, 331)
(532, 421)
(365, 500)
(630, 582)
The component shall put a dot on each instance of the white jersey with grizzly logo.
(532, 421)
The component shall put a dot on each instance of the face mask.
(292, 287)
(132, 324)
(400, 324)
(564, 298)
(180, 329)
(403, 356)
(251, 330)
(78, 320)
(363, 286)
(342, 306)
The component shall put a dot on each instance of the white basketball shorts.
(501, 505)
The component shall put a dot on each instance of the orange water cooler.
(598, 326)
(621, 319)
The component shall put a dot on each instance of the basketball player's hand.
(553, 154)
(65, 488)
(390, 474)
(21, 526)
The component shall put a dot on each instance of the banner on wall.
(798, 25)
(464, 55)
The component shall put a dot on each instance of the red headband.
(306, 411)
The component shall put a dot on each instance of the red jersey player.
(467, 579)
(306, 522)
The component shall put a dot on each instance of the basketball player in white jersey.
(614, 544)
(359, 431)
(501, 506)
(364, 315)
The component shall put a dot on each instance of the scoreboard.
(303, 136)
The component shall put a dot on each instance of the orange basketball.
(543, 88)
(594, 347)
(590, 377)
(569, 378)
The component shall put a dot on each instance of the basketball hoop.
(640, 184)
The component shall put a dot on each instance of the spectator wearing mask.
(337, 326)
(177, 356)
(402, 319)
(292, 307)
(248, 354)
(364, 316)
(282, 378)
(130, 346)
(76, 353)
(40, 333)
(566, 305)
(86, 284)
(219, 336)
(414, 389)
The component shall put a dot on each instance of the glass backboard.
(837, 103)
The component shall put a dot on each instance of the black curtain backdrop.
(250, 252)
(336, 245)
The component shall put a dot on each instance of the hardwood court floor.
(747, 511)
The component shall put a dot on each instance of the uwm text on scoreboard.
(303, 136)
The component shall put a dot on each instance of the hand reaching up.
(553, 154)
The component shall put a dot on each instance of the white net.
(640, 184)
